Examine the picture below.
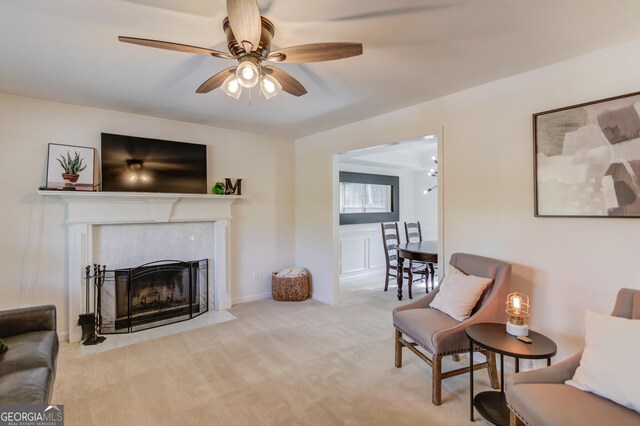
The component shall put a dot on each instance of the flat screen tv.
(136, 164)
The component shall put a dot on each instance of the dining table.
(422, 251)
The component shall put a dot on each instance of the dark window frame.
(392, 216)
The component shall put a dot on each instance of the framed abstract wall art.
(587, 159)
(70, 167)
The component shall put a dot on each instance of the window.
(364, 198)
(367, 198)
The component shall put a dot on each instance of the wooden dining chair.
(390, 240)
(413, 233)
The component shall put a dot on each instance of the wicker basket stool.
(290, 288)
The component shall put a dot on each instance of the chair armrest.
(556, 373)
(423, 302)
(25, 320)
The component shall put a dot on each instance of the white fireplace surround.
(86, 209)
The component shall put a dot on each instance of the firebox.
(151, 295)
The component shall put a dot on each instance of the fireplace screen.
(151, 295)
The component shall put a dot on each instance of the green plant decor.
(3, 346)
(72, 166)
(218, 188)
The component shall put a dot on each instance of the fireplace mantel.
(141, 207)
(86, 209)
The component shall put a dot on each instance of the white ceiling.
(414, 50)
(413, 155)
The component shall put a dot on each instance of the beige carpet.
(279, 363)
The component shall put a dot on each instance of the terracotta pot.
(73, 178)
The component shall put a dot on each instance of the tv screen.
(136, 164)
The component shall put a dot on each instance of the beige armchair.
(540, 397)
(438, 335)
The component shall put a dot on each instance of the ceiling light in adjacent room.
(432, 173)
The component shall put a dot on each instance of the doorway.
(416, 165)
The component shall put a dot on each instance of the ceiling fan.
(249, 41)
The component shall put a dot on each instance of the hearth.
(150, 295)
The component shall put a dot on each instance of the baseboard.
(63, 336)
(315, 296)
(356, 275)
(268, 295)
(251, 298)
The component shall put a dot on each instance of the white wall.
(566, 265)
(32, 249)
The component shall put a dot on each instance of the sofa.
(541, 397)
(28, 367)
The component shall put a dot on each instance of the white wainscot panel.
(361, 250)
(353, 255)
(376, 253)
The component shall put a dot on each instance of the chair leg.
(410, 280)
(456, 357)
(432, 273)
(386, 280)
(398, 349)
(514, 420)
(436, 384)
(492, 369)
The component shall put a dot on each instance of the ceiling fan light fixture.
(248, 72)
(232, 87)
(269, 86)
(249, 37)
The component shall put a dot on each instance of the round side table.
(492, 405)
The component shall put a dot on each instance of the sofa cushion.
(555, 404)
(422, 324)
(26, 387)
(604, 367)
(29, 350)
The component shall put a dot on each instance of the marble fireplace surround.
(87, 209)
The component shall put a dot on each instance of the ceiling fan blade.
(175, 46)
(288, 83)
(244, 18)
(216, 81)
(317, 52)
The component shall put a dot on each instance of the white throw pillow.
(459, 293)
(292, 272)
(609, 365)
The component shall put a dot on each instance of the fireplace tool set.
(91, 321)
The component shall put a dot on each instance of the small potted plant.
(218, 188)
(72, 168)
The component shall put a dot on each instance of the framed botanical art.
(587, 159)
(70, 167)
